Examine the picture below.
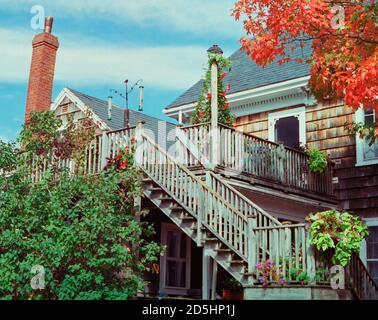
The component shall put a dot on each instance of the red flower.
(223, 75)
(132, 139)
(225, 106)
(209, 95)
(228, 87)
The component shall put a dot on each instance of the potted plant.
(340, 232)
(318, 160)
(231, 289)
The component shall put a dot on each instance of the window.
(288, 127)
(372, 252)
(366, 154)
(287, 131)
(175, 271)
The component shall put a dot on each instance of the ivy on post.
(212, 105)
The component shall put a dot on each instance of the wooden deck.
(248, 158)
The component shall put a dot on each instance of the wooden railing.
(238, 200)
(209, 208)
(117, 140)
(360, 280)
(197, 139)
(248, 154)
(96, 155)
(286, 248)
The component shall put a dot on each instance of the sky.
(104, 42)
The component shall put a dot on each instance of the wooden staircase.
(232, 230)
(212, 213)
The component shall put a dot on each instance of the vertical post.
(180, 147)
(205, 275)
(201, 211)
(104, 150)
(214, 113)
(311, 267)
(139, 143)
(214, 50)
(214, 275)
(252, 245)
(180, 118)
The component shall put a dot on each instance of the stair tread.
(223, 250)
(154, 189)
(211, 239)
(237, 261)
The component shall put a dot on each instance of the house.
(274, 103)
(223, 203)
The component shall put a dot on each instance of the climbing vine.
(202, 113)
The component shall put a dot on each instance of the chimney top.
(48, 24)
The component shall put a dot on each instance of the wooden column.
(139, 143)
(311, 267)
(214, 115)
(205, 275)
(214, 280)
(104, 150)
(252, 253)
(214, 139)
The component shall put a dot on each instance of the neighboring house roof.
(160, 128)
(245, 74)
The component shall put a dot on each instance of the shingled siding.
(357, 188)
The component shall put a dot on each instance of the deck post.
(252, 253)
(205, 275)
(104, 150)
(311, 267)
(139, 143)
(201, 214)
(180, 147)
(214, 275)
(214, 107)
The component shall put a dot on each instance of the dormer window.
(367, 153)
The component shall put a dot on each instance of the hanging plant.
(342, 232)
(202, 113)
(318, 160)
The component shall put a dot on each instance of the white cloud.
(167, 67)
(205, 17)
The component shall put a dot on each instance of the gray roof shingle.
(159, 128)
(245, 74)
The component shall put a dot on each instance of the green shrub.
(342, 232)
(318, 160)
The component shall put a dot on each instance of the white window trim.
(360, 117)
(299, 113)
(370, 222)
(165, 227)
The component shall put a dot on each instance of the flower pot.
(232, 295)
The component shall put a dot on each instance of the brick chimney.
(42, 68)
